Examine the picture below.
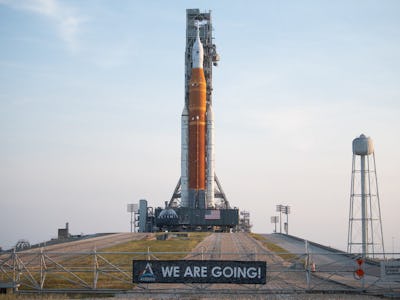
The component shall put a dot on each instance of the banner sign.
(390, 270)
(199, 271)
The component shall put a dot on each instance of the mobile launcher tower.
(198, 201)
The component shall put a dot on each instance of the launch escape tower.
(365, 234)
(214, 191)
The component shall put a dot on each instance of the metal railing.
(105, 272)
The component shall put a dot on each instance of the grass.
(281, 252)
(175, 243)
(114, 264)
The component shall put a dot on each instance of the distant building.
(63, 233)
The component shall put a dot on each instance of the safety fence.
(112, 272)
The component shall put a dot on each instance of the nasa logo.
(147, 275)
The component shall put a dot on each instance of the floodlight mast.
(286, 210)
(132, 208)
(274, 220)
(279, 210)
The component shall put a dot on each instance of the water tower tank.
(363, 145)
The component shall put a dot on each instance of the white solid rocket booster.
(210, 158)
(184, 157)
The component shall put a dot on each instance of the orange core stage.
(197, 130)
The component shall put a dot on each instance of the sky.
(91, 94)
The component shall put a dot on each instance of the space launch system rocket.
(197, 148)
(199, 188)
(198, 201)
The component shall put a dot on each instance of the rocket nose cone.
(197, 51)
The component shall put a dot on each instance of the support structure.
(365, 233)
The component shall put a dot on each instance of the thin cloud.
(63, 17)
(294, 127)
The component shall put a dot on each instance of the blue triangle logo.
(147, 275)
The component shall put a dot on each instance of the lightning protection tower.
(365, 234)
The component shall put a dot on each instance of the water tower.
(365, 235)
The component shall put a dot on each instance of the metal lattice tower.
(211, 59)
(365, 233)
